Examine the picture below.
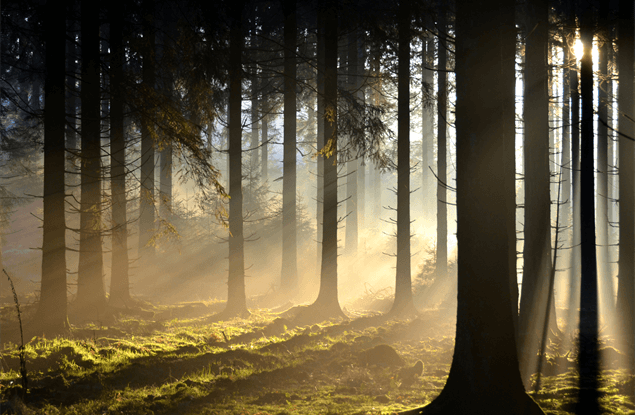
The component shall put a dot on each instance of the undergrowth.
(264, 364)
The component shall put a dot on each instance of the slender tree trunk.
(146, 202)
(351, 227)
(626, 281)
(484, 376)
(537, 230)
(91, 296)
(361, 164)
(255, 134)
(320, 134)
(377, 186)
(264, 155)
(236, 297)
(119, 282)
(289, 276)
(327, 302)
(588, 339)
(442, 111)
(52, 310)
(403, 287)
(605, 278)
(574, 284)
(427, 133)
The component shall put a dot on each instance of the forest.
(317, 207)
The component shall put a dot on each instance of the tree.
(484, 375)
(289, 278)
(236, 297)
(91, 296)
(537, 229)
(52, 310)
(403, 288)
(626, 282)
(146, 196)
(327, 303)
(442, 111)
(588, 355)
(119, 281)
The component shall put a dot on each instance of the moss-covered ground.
(178, 360)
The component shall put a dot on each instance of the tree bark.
(352, 237)
(484, 375)
(403, 286)
(91, 297)
(626, 281)
(52, 310)
(442, 110)
(119, 281)
(588, 358)
(289, 275)
(146, 197)
(236, 296)
(537, 230)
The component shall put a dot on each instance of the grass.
(260, 365)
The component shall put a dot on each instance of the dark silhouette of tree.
(119, 281)
(236, 297)
(52, 310)
(588, 357)
(91, 297)
(484, 375)
(146, 196)
(351, 241)
(537, 229)
(327, 303)
(289, 277)
(403, 288)
(442, 174)
(626, 282)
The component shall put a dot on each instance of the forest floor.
(177, 360)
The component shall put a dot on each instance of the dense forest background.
(330, 157)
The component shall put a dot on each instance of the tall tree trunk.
(327, 302)
(119, 282)
(91, 296)
(403, 286)
(442, 111)
(427, 133)
(264, 155)
(146, 197)
(52, 310)
(604, 273)
(255, 134)
(626, 282)
(537, 230)
(377, 186)
(320, 134)
(574, 283)
(289, 276)
(361, 163)
(588, 358)
(484, 376)
(352, 238)
(236, 296)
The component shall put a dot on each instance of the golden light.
(578, 49)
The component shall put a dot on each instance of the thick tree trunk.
(537, 230)
(52, 311)
(442, 111)
(119, 281)
(289, 275)
(403, 286)
(626, 282)
(588, 358)
(91, 297)
(146, 197)
(236, 296)
(484, 376)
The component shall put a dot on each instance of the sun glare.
(578, 49)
